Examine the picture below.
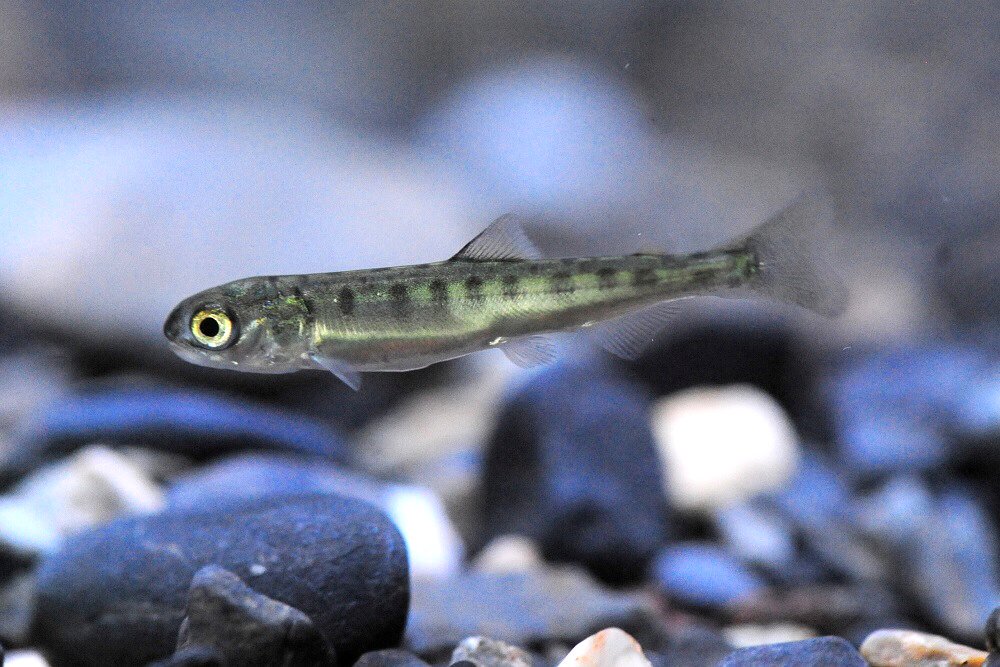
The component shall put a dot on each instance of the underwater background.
(760, 481)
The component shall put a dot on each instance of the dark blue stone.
(704, 575)
(525, 609)
(573, 465)
(896, 410)
(247, 477)
(826, 651)
(117, 595)
(820, 506)
(198, 424)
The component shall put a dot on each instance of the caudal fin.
(793, 265)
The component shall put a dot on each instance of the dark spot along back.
(474, 288)
(562, 283)
(399, 300)
(607, 278)
(510, 285)
(643, 277)
(439, 293)
(345, 299)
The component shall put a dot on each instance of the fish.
(498, 292)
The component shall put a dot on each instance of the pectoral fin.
(342, 370)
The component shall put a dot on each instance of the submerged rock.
(705, 576)
(826, 651)
(907, 648)
(87, 489)
(118, 594)
(198, 424)
(246, 628)
(433, 545)
(508, 553)
(723, 444)
(390, 657)
(523, 608)
(573, 466)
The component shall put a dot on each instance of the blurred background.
(149, 150)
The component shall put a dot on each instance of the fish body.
(495, 293)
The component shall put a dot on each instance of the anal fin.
(628, 335)
(530, 351)
(347, 374)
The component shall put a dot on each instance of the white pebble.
(723, 445)
(608, 648)
(432, 543)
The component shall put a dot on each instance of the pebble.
(703, 575)
(573, 465)
(722, 445)
(608, 648)
(486, 652)
(752, 634)
(897, 410)
(87, 489)
(554, 604)
(756, 534)
(196, 423)
(822, 508)
(390, 657)
(907, 648)
(117, 594)
(244, 627)
(508, 553)
(826, 651)
(24, 658)
(433, 544)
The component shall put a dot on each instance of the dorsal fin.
(504, 239)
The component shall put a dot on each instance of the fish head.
(245, 325)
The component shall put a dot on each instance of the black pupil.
(209, 327)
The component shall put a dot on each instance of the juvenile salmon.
(497, 292)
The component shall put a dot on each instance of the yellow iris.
(212, 328)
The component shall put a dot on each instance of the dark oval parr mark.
(474, 288)
(345, 299)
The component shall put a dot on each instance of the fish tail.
(792, 266)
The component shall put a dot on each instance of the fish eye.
(212, 328)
